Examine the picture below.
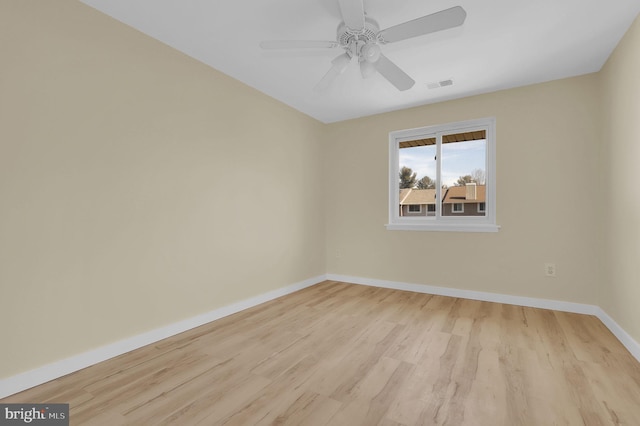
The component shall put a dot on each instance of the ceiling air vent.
(438, 84)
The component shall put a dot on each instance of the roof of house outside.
(412, 196)
(458, 194)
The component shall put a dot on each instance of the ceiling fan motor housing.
(360, 43)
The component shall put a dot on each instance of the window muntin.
(415, 208)
(457, 161)
(458, 208)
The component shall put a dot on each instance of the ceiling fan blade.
(394, 74)
(339, 65)
(443, 20)
(297, 44)
(353, 13)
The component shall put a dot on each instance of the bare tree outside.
(478, 176)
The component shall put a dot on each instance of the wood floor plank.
(311, 409)
(218, 401)
(277, 397)
(338, 353)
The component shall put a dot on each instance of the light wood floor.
(342, 354)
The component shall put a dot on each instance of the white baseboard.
(629, 342)
(40, 375)
(579, 308)
(23, 381)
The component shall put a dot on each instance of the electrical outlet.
(550, 269)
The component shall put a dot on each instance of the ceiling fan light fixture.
(370, 52)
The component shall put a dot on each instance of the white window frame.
(413, 205)
(453, 208)
(485, 223)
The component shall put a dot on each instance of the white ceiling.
(502, 44)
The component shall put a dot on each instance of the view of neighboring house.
(468, 200)
(417, 202)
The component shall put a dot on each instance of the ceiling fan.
(361, 38)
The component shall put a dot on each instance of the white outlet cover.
(550, 269)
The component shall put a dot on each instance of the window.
(415, 208)
(456, 163)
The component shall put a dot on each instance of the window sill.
(450, 227)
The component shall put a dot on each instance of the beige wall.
(620, 292)
(547, 153)
(128, 179)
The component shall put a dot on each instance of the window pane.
(416, 180)
(463, 171)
